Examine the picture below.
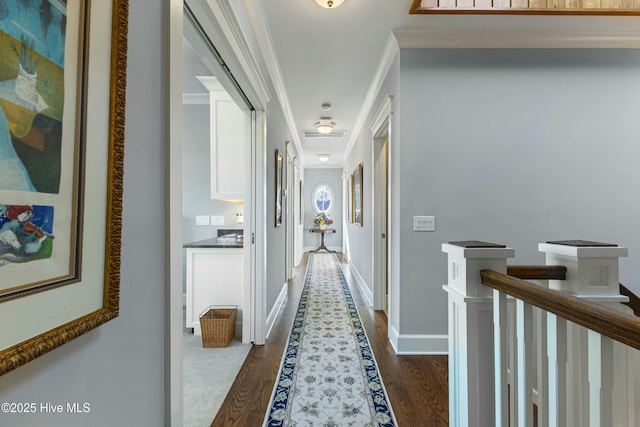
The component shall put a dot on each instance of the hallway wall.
(359, 239)
(313, 177)
(277, 136)
(515, 147)
(510, 146)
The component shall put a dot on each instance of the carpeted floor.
(208, 374)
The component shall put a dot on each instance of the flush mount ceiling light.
(329, 4)
(323, 157)
(325, 125)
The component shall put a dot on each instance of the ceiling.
(332, 55)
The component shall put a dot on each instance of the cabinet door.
(214, 277)
(227, 147)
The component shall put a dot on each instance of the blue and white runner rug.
(328, 376)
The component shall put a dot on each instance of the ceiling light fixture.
(325, 125)
(329, 4)
(323, 157)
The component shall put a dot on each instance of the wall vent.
(316, 134)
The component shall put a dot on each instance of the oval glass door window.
(322, 198)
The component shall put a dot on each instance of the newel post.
(471, 360)
(592, 393)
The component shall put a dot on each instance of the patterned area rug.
(328, 376)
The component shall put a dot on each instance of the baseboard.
(409, 344)
(273, 314)
(366, 293)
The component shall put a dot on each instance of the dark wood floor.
(417, 385)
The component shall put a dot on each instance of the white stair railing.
(574, 375)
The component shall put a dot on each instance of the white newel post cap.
(467, 258)
(592, 267)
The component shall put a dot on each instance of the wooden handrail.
(621, 327)
(538, 272)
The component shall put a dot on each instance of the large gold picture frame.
(41, 320)
(279, 208)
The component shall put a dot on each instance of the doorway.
(183, 28)
(381, 190)
(382, 238)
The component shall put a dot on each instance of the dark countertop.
(213, 243)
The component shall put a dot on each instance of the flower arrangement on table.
(322, 220)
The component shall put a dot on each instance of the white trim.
(391, 49)
(413, 344)
(173, 327)
(381, 130)
(260, 25)
(522, 39)
(383, 115)
(237, 39)
(258, 238)
(273, 315)
(362, 285)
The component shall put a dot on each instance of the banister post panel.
(471, 348)
(592, 274)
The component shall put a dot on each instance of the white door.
(381, 229)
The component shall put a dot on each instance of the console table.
(322, 232)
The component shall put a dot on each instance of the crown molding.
(391, 49)
(265, 41)
(237, 41)
(524, 39)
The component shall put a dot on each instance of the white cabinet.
(214, 276)
(227, 147)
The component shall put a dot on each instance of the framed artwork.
(60, 115)
(301, 204)
(349, 190)
(356, 195)
(279, 181)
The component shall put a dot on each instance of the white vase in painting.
(26, 86)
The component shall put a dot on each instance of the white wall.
(515, 147)
(119, 367)
(313, 177)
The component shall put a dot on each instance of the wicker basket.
(218, 326)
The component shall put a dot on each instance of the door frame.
(381, 129)
(220, 26)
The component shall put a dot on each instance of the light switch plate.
(424, 223)
(202, 219)
(217, 220)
